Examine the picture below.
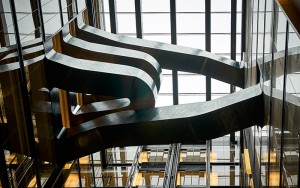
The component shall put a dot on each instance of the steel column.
(208, 43)
(283, 120)
(61, 13)
(208, 81)
(93, 169)
(89, 6)
(174, 41)
(4, 39)
(39, 4)
(25, 100)
(76, 6)
(79, 172)
(138, 18)
(243, 48)
(113, 16)
(233, 48)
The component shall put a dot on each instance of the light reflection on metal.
(189, 123)
(170, 56)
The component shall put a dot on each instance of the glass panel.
(191, 40)
(291, 136)
(190, 23)
(190, 5)
(51, 17)
(155, 5)
(191, 178)
(126, 23)
(163, 26)
(125, 5)
(220, 5)
(221, 23)
(276, 107)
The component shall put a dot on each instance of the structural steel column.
(208, 81)
(42, 29)
(35, 18)
(4, 39)
(89, 6)
(233, 49)
(25, 100)
(113, 16)
(138, 19)
(174, 41)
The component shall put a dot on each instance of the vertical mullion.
(39, 4)
(113, 17)
(24, 95)
(233, 48)
(243, 49)
(93, 169)
(174, 41)
(89, 6)
(76, 6)
(233, 30)
(79, 173)
(243, 29)
(283, 105)
(138, 18)
(208, 81)
(4, 39)
(61, 13)
(208, 43)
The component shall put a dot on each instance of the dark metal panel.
(164, 125)
(113, 16)
(171, 56)
(94, 77)
(25, 100)
(78, 48)
(138, 19)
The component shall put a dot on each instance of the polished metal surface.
(132, 77)
(100, 78)
(170, 56)
(79, 48)
(188, 123)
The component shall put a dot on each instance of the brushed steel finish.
(170, 56)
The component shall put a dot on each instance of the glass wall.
(271, 60)
(274, 44)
